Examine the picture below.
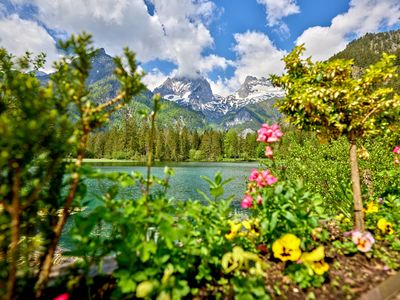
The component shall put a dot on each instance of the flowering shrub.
(288, 215)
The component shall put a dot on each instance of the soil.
(349, 277)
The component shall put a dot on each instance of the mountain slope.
(368, 49)
(186, 101)
(248, 107)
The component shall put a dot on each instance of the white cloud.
(19, 36)
(212, 61)
(177, 31)
(363, 16)
(256, 56)
(221, 87)
(155, 78)
(278, 9)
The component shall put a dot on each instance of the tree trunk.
(15, 211)
(48, 259)
(12, 274)
(355, 182)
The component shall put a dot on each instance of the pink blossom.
(266, 178)
(396, 150)
(269, 134)
(259, 199)
(262, 178)
(271, 179)
(268, 152)
(64, 296)
(363, 241)
(247, 201)
(396, 161)
(254, 175)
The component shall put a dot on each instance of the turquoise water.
(183, 185)
(186, 181)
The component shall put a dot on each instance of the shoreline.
(105, 161)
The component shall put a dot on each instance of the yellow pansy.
(385, 226)
(315, 255)
(235, 227)
(372, 207)
(315, 260)
(252, 227)
(287, 248)
(319, 267)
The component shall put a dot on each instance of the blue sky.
(222, 40)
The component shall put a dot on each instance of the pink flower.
(396, 161)
(269, 134)
(268, 152)
(262, 178)
(363, 241)
(271, 179)
(64, 296)
(396, 150)
(254, 175)
(266, 178)
(247, 201)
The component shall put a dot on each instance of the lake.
(186, 181)
(183, 185)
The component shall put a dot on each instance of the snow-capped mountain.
(196, 94)
(254, 90)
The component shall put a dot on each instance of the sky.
(222, 40)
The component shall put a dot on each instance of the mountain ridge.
(196, 93)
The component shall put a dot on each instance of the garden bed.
(349, 277)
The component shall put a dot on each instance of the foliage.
(176, 248)
(323, 167)
(324, 96)
(172, 143)
(40, 125)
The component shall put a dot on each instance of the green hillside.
(369, 48)
(172, 114)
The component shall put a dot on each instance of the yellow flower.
(320, 267)
(315, 255)
(385, 226)
(315, 260)
(252, 227)
(372, 207)
(287, 248)
(235, 227)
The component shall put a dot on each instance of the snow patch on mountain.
(196, 93)
(254, 90)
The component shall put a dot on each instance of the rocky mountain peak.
(102, 66)
(253, 84)
(185, 88)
